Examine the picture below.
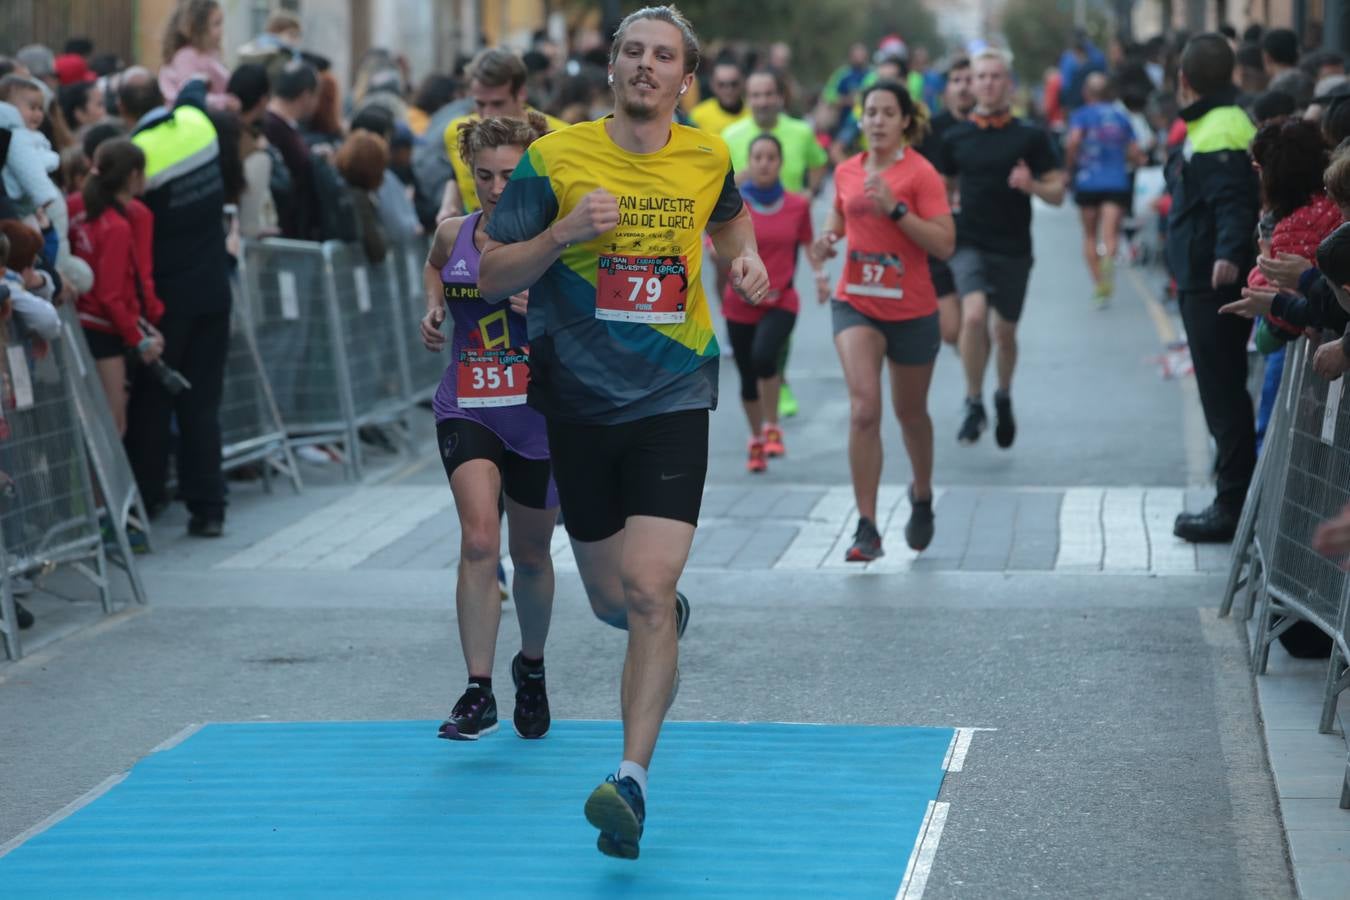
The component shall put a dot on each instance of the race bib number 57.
(649, 289)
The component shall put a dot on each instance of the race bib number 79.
(649, 289)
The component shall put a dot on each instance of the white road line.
(925, 852)
(889, 496)
(1080, 530)
(826, 521)
(1168, 554)
(899, 558)
(955, 760)
(174, 740)
(1124, 537)
(64, 812)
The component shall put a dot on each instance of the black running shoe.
(618, 810)
(681, 614)
(1005, 429)
(474, 715)
(866, 543)
(531, 719)
(919, 528)
(973, 425)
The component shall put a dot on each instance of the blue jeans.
(1270, 389)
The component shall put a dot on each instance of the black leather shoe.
(205, 527)
(1212, 525)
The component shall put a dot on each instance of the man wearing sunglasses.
(727, 104)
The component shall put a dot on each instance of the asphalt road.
(1125, 759)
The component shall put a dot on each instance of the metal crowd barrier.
(250, 423)
(118, 497)
(425, 368)
(1255, 532)
(48, 514)
(1303, 479)
(337, 337)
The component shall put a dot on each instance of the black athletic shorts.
(941, 275)
(649, 467)
(103, 345)
(529, 482)
(1001, 278)
(1097, 198)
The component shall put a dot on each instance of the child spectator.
(27, 286)
(192, 39)
(112, 313)
(74, 170)
(31, 157)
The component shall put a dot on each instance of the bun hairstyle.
(362, 159)
(499, 131)
(916, 112)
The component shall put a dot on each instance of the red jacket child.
(118, 247)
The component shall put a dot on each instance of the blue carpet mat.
(384, 809)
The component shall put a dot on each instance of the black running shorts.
(941, 274)
(103, 345)
(529, 482)
(1097, 198)
(649, 467)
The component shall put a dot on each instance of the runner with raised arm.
(604, 223)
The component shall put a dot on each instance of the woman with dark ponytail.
(891, 211)
(120, 312)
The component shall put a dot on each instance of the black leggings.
(760, 348)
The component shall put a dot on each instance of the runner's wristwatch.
(900, 211)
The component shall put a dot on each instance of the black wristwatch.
(900, 211)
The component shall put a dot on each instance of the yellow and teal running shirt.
(619, 326)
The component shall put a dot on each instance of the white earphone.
(611, 77)
(682, 90)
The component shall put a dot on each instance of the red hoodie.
(119, 248)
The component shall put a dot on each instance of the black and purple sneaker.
(474, 715)
(531, 719)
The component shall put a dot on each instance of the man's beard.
(638, 112)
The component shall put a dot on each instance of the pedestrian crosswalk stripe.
(1124, 530)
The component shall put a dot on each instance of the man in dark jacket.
(1215, 206)
(295, 96)
(183, 188)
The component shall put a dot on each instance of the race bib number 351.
(648, 289)
(498, 377)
